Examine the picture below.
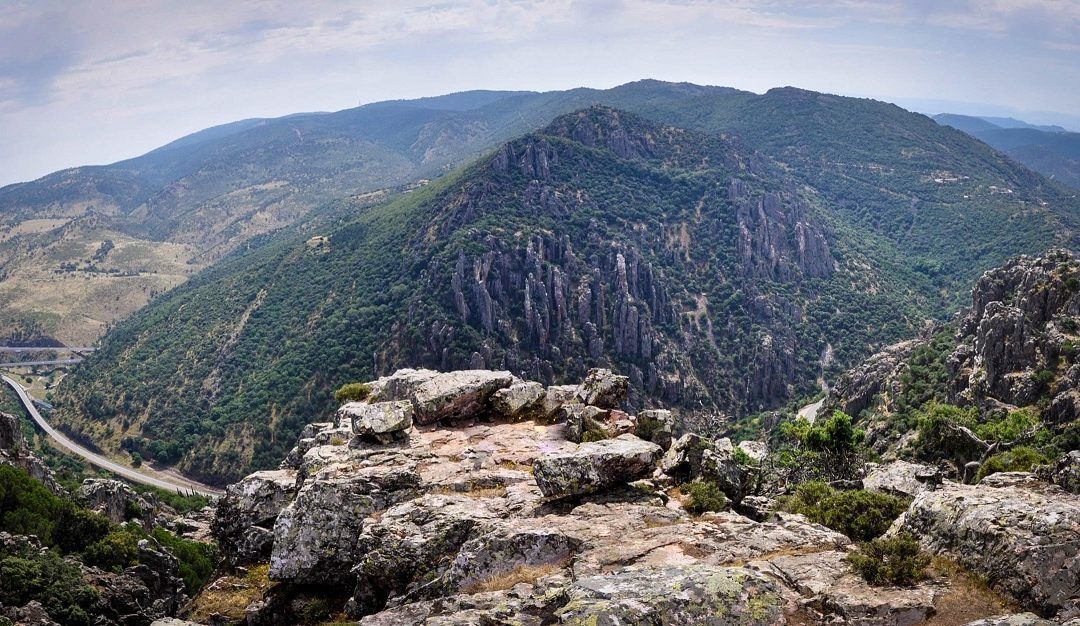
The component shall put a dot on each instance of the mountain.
(1049, 150)
(726, 265)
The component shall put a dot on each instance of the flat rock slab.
(595, 466)
(1023, 535)
(675, 596)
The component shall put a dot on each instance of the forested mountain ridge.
(716, 276)
(1049, 150)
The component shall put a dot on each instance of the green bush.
(30, 574)
(116, 551)
(197, 559)
(829, 450)
(705, 496)
(352, 392)
(1008, 427)
(861, 515)
(895, 561)
(1019, 459)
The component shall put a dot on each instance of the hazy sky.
(97, 81)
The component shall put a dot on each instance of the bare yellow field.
(72, 287)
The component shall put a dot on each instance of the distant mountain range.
(1049, 150)
(726, 250)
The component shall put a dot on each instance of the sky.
(90, 82)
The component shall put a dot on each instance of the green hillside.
(723, 249)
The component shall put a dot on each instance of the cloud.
(95, 80)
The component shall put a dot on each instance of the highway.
(97, 460)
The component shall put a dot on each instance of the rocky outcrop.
(693, 457)
(245, 516)
(1022, 534)
(595, 466)
(1065, 472)
(133, 596)
(15, 451)
(117, 501)
(603, 388)
(509, 521)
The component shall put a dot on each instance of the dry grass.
(969, 598)
(230, 595)
(520, 574)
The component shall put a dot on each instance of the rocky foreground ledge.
(473, 497)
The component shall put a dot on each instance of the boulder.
(413, 544)
(595, 466)
(519, 401)
(116, 501)
(756, 451)
(383, 422)
(457, 395)
(1022, 535)
(674, 596)
(554, 398)
(693, 457)
(589, 423)
(400, 385)
(603, 388)
(901, 478)
(244, 520)
(657, 426)
(1065, 473)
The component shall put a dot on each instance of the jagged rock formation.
(15, 451)
(1016, 347)
(485, 518)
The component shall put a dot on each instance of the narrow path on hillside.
(175, 483)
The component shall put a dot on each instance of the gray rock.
(315, 535)
(832, 593)
(674, 596)
(657, 426)
(590, 423)
(400, 385)
(692, 457)
(1065, 473)
(1012, 619)
(519, 401)
(116, 501)
(1023, 536)
(244, 519)
(595, 466)
(383, 422)
(555, 397)
(603, 388)
(756, 450)
(901, 478)
(457, 395)
(412, 544)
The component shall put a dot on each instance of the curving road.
(99, 461)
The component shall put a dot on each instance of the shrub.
(30, 574)
(895, 561)
(1009, 427)
(352, 392)
(861, 515)
(1019, 459)
(117, 550)
(196, 559)
(705, 496)
(830, 450)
